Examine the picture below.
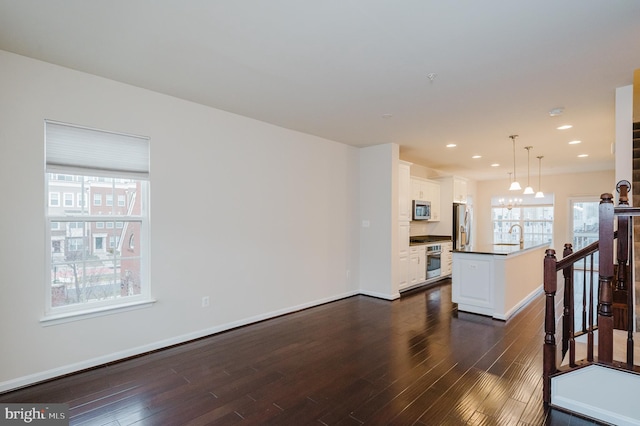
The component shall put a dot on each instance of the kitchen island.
(497, 279)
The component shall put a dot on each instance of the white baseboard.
(138, 350)
(520, 304)
(386, 296)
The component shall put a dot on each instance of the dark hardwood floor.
(355, 361)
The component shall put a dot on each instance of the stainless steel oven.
(434, 259)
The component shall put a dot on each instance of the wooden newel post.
(549, 353)
(623, 240)
(605, 290)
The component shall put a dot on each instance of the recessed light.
(583, 155)
(451, 145)
(565, 127)
(495, 165)
(476, 157)
(574, 142)
(387, 115)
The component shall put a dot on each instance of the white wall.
(563, 187)
(624, 135)
(379, 208)
(262, 219)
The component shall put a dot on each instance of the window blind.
(90, 151)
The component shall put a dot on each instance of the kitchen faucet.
(521, 235)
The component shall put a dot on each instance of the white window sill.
(61, 318)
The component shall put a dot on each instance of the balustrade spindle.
(568, 338)
(590, 339)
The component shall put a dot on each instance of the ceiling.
(419, 73)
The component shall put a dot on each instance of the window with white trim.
(534, 216)
(54, 199)
(68, 199)
(89, 272)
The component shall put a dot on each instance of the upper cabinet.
(419, 189)
(459, 190)
(404, 191)
(427, 190)
(433, 191)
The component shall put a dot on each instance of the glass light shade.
(539, 194)
(515, 186)
(528, 190)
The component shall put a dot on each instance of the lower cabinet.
(417, 265)
(403, 254)
(446, 259)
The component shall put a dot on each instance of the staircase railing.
(604, 305)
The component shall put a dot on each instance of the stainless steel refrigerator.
(461, 232)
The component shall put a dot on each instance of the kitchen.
(426, 238)
(436, 244)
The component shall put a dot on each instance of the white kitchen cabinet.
(433, 194)
(427, 190)
(419, 189)
(417, 267)
(446, 258)
(404, 191)
(459, 190)
(404, 229)
(403, 264)
(403, 254)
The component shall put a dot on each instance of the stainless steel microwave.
(421, 210)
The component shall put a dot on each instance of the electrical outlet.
(205, 301)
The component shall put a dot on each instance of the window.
(121, 201)
(68, 199)
(534, 216)
(54, 199)
(99, 243)
(86, 278)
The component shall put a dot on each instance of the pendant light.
(528, 190)
(515, 186)
(539, 194)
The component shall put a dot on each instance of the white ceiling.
(334, 68)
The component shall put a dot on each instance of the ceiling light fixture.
(495, 165)
(451, 145)
(515, 186)
(475, 157)
(565, 127)
(528, 190)
(511, 203)
(574, 142)
(539, 194)
(583, 155)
